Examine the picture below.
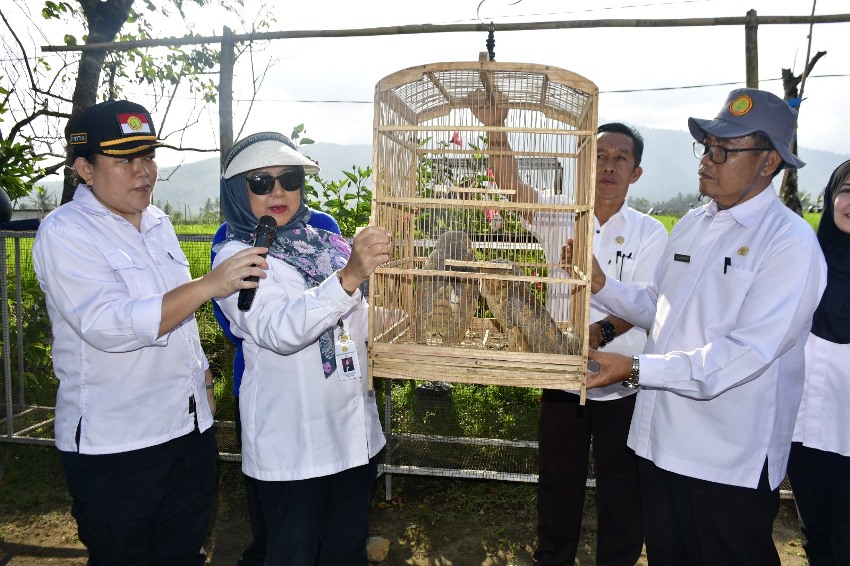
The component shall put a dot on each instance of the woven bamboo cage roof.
(433, 90)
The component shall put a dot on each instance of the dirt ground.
(428, 521)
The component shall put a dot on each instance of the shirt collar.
(748, 212)
(622, 215)
(85, 199)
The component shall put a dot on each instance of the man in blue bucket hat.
(721, 376)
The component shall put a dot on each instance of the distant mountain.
(669, 168)
(188, 186)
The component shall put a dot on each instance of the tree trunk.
(788, 190)
(104, 20)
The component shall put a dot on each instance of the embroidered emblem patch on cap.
(741, 105)
(134, 124)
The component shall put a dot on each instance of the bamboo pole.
(225, 94)
(454, 28)
(751, 49)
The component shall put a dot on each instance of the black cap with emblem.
(117, 128)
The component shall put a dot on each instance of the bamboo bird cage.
(482, 171)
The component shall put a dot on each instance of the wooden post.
(225, 100)
(751, 49)
(225, 94)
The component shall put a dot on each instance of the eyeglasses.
(718, 154)
(263, 183)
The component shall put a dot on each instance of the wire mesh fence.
(433, 428)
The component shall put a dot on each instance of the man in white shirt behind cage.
(631, 244)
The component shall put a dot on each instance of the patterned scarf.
(316, 255)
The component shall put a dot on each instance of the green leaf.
(297, 131)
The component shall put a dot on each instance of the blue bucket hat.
(748, 111)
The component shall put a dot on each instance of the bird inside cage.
(445, 305)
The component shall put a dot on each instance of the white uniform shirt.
(104, 281)
(633, 260)
(823, 421)
(296, 423)
(730, 307)
(551, 229)
(643, 239)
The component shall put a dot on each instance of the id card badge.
(347, 362)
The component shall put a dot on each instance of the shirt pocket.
(130, 270)
(181, 262)
(728, 287)
(739, 274)
(626, 266)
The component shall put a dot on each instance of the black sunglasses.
(263, 183)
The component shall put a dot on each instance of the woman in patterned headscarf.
(819, 467)
(310, 428)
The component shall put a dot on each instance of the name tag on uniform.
(347, 363)
(682, 257)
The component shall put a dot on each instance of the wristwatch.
(608, 332)
(632, 381)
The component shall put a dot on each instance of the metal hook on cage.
(491, 42)
(478, 11)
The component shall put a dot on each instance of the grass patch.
(31, 477)
(203, 229)
(486, 500)
(812, 218)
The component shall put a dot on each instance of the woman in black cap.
(310, 427)
(819, 467)
(134, 408)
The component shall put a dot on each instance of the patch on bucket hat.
(741, 105)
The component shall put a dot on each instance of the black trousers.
(320, 521)
(692, 522)
(151, 506)
(565, 435)
(821, 484)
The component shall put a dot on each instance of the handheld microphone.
(265, 233)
